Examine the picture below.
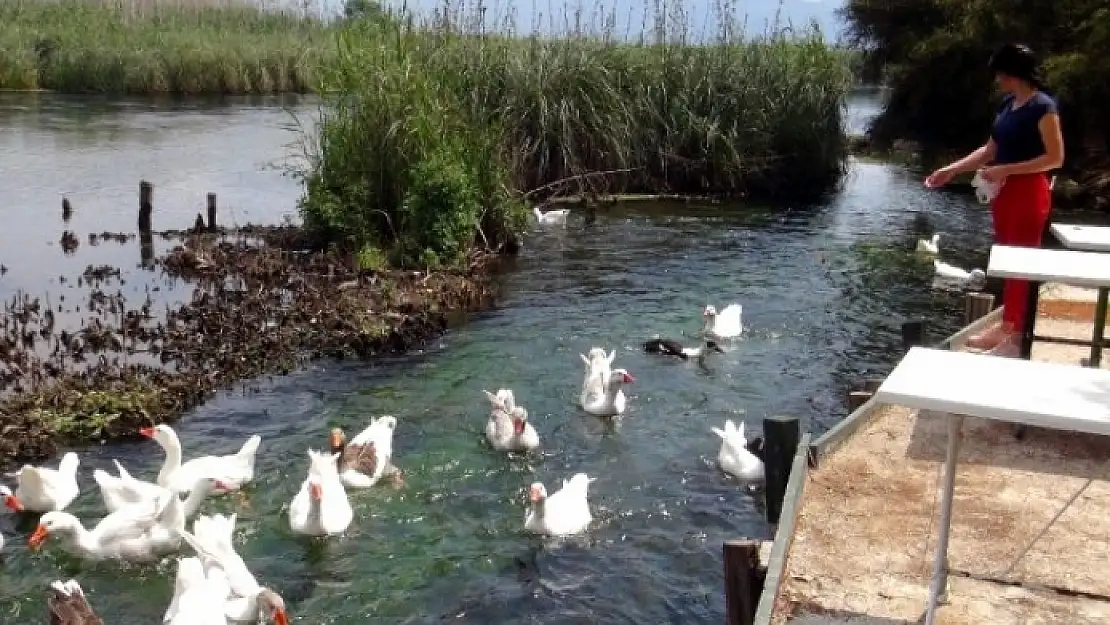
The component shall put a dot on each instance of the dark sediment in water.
(264, 300)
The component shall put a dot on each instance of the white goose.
(552, 217)
(929, 246)
(232, 470)
(598, 365)
(44, 490)
(606, 399)
(975, 278)
(198, 595)
(142, 532)
(563, 513)
(321, 507)
(508, 428)
(735, 458)
(726, 324)
(247, 600)
(125, 490)
(368, 457)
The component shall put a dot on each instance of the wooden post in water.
(146, 235)
(146, 205)
(743, 581)
(781, 436)
(861, 392)
(913, 334)
(977, 306)
(211, 212)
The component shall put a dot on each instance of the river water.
(824, 288)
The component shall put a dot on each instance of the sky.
(631, 15)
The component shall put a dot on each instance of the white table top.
(1061, 397)
(1075, 268)
(1090, 238)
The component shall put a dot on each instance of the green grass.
(422, 118)
(83, 46)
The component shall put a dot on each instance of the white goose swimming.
(552, 217)
(598, 365)
(929, 246)
(125, 490)
(368, 457)
(198, 595)
(141, 532)
(735, 457)
(321, 507)
(606, 398)
(508, 428)
(563, 513)
(975, 278)
(726, 324)
(232, 470)
(247, 600)
(44, 490)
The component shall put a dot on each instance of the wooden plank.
(1089, 269)
(1042, 394)
(784, 535)
(743, 581)
(1089, 238)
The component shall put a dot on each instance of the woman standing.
(1024, 144)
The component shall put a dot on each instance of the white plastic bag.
(985, 191)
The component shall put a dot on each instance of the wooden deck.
(1031, 521)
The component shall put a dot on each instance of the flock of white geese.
(146, 521)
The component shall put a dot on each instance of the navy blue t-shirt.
(1016, 133)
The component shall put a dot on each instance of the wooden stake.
(857, 399)
(977, 306)
(780, 440)
(211, 212)
(146, 205)
(913, 334)
(743, 581)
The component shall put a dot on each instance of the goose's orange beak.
(38, 537)
(280, 617)
(315, 491)
(336, 439)
(535, 495)
(13, 503)
(147, 432)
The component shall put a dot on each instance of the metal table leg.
(940, 565)
(1030, 321)
(1100, 328)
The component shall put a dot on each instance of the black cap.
(1017, 60)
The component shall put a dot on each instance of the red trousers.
(1020, 211)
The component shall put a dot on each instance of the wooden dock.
(1031, 521)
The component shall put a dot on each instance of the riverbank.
(143, 48)
(262, 303)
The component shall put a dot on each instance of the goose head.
(52, 523)
(977, 279)
(709, 313)
(387, 422)
(620, 377)
(337, 440)
(162, 434)
(537, 493)
(11, 502)
(270, 604)
(520, 419)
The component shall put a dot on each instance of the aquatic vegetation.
(137, 47)
(261, 305)
(433, 134)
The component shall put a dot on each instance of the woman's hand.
(995, 174)
(940, 177)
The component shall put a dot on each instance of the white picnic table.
(1048, 395)
(1088, 238)
(1071, 267)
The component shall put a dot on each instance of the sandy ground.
(1034, 514)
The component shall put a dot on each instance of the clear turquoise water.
(824, 289)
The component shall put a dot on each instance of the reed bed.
(151, 47)
(425, 117)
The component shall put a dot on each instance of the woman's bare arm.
(980, 157)
(1053, 156)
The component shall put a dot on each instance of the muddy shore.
(264, 300)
